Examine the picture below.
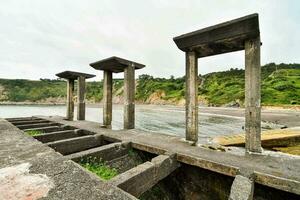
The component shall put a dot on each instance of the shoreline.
(264, 107)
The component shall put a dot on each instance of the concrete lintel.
(242, 188)
(73, 145)
(57, 135)
(148, 173)
(105, 152)
(38, 125)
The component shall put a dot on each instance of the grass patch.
(99, 168)
(34, 132)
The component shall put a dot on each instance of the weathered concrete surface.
(58, 135)
(38, 125)
(73, 145)
(107, 98)
(81, 98)
(242, 188)
(45, 129)
(23, 122)
(138, 180)
(253, 95)
(191, 97)
(221, 38)
(106, 153)
(16, 183)
(281, 173)
(70, 101)
(70, 181)
(129, 94)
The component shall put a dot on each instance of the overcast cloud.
(42, 37)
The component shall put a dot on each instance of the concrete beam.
(242, 187)
(58, 135)
(38, 125)
(139, 179)
(191, 97)
(29, 122)
(105, 152)
(253, 95)
(16, 119)
(70, 101)
(129, 94)
(107, 98)
(73, 145)
(45, 129)
(81, 98)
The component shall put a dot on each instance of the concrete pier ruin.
(149, 166)
(45, 156)
(239, 34)
(117, 65)
(71, 76)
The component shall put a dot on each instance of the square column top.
(115, 64)
(221, 38)
(74, 75)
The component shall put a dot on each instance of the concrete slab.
(69, 180)
(279, 172)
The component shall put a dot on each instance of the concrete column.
(81, 98)
(253, 95)
(107, 98)
(191, 97)
(70, 102)
(129, 93)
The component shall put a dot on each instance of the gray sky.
(42, 37)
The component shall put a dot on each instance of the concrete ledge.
(73, 145)
(37, 125)
(17, 123)
(148, 173)
(45, 129)
(58, 135)
(70, 181)
(106, 152)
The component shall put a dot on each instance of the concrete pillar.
(129, 93)
(70, 102)
(253, 95)
(81, 98)
(191, 97)
(107, 98)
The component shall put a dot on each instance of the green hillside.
(280, 86)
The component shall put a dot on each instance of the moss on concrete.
(34, 132)
(99, 168)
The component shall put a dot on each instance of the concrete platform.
(280, 172)
(30, 169)
(58, 177)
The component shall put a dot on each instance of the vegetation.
(34, 132)
(99, 168)
(280, 86)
